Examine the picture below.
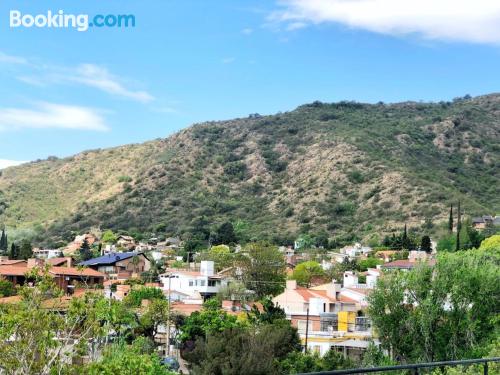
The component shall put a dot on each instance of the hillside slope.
(347, 169)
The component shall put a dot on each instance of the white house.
(47, 253)
(355, 250)
(186, 285)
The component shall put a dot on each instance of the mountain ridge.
(346, 170)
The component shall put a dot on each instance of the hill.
(346, 170)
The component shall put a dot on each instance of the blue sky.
(64, 91)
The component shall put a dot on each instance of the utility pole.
(307, 329)
(168, 316)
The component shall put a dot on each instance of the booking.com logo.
(80, 22)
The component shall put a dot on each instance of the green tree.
(210, 319)
(306, 272)
(450, 220)
(7, 289)
(109, 237)
(263, 269)
(459, 228)
(14, 251)
(25, 251)
(221, 255)
(4, 243)
(124, 359)
(84, 252)
(441, 313)
(136, 295)
(491, 243)
(224, 235)
(47, 332)
(425, 244)
(155, 315)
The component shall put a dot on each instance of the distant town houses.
(120, 266)
(193, 285)
(66, 277)
(356, 250)
(47, 253)
(329, 316)
(481, 222)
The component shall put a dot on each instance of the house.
(189, 285)
(120, 266)
(326, 314)
(47, 253)
(67, 278)
(60, 262)
(482, 222)
(125, 242)
(385, 255)
(5, 261)
(355, 250)
(405, 264)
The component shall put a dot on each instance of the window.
(202, 282)
(191, 283)
(212, 282)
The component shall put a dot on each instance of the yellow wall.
(346, 319)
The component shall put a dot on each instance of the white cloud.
(450, 20)
(4, 163)
(100, 78)
(228, 60)
(247, 31)
(51, 116)
(9, 59)
(90, 75)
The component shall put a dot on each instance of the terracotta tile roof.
(56, 261)
(11, 262)
(12, 270)
(183, 272)
(401, 263)
(306, 294)
(185, 308)
(70, 271)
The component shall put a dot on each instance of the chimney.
(332, 289)
(291, 284)
(207, 268)
(69, 261)
(350, 279)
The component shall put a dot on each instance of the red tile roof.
(70, 271)
(12, 270)
(306, 294)
(56, 261)
(11, 262)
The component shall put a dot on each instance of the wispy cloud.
(100, 78)
(228, 60)
(5, 163)
(9, 59)
(247, 31)
(52, 116)
(90, 75)
(449, 20)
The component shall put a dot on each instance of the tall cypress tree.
(404, 240)
(3, 241)
(459, 227)
(14, 251)
(450, 220)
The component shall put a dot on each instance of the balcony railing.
(414, 369)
